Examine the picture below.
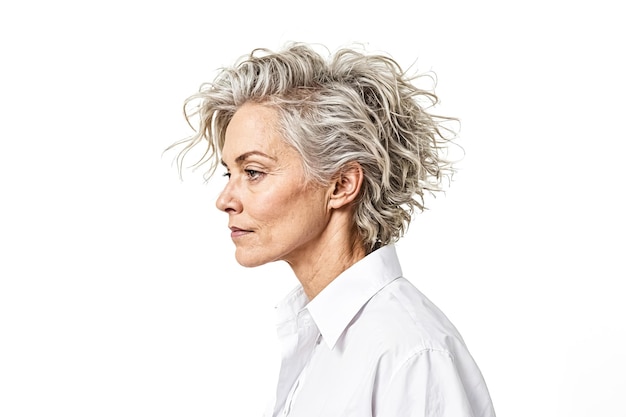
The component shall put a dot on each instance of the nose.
(227, 201)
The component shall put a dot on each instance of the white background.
(119, 294)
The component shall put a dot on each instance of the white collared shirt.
(370, 344)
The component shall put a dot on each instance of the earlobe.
(346, 186)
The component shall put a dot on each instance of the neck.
(333, 253)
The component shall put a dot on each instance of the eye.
(253, 174)
(226, 174)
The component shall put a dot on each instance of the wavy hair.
(350, 107)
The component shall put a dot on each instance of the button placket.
(307, 340)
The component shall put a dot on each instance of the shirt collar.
(336, 305)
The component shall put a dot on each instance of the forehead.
(252, 128)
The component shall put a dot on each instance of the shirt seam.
(412, 356)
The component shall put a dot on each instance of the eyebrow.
(241, 158)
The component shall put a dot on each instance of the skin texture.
(275, 214)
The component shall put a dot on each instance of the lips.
(237, 232)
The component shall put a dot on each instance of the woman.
(326, 161)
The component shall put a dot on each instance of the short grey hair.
(351, 107)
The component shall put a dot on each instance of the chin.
(249, 260)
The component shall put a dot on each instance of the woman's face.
(273, 212)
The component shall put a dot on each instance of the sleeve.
(429, 384)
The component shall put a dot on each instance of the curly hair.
(351, 107)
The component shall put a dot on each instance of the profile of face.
(274, 213)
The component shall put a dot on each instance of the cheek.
(271, 208)
(286, 206)
(308, 212)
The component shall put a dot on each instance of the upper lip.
(237, 229)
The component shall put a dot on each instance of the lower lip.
(239, 233)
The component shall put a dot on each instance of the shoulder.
(422, 359)
(400, 318)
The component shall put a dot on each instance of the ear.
(346, 186)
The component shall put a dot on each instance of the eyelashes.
(251, 174)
